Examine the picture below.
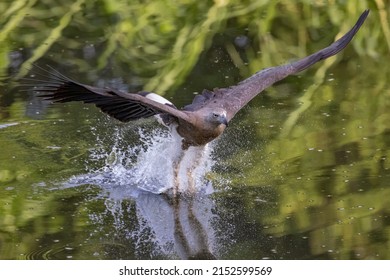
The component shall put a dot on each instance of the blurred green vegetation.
(318, 141)
(153, 39)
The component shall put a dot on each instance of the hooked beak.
(223, 120)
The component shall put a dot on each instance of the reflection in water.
(178, 225)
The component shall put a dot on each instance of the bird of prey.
(209, 113)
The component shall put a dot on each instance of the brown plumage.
(207, 116)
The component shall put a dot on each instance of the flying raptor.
(209, 113)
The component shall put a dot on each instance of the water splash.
(150, 163)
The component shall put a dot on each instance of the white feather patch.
(158, 98)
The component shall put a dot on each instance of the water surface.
(301, 173)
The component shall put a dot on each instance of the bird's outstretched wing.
(118, 104)
(232, 99)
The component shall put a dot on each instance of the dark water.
(301, 173)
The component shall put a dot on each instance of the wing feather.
(232, 99)
(120, 105)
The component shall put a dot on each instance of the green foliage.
(161, 41)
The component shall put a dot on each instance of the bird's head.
(217, 116)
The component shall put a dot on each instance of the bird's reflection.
(181, 225)
(191, 232)
(176, 226)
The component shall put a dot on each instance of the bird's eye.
(215, 115)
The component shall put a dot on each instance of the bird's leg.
(176, 169)
(192, 168)
(176, 180)
(195, 161)
(191, 181)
